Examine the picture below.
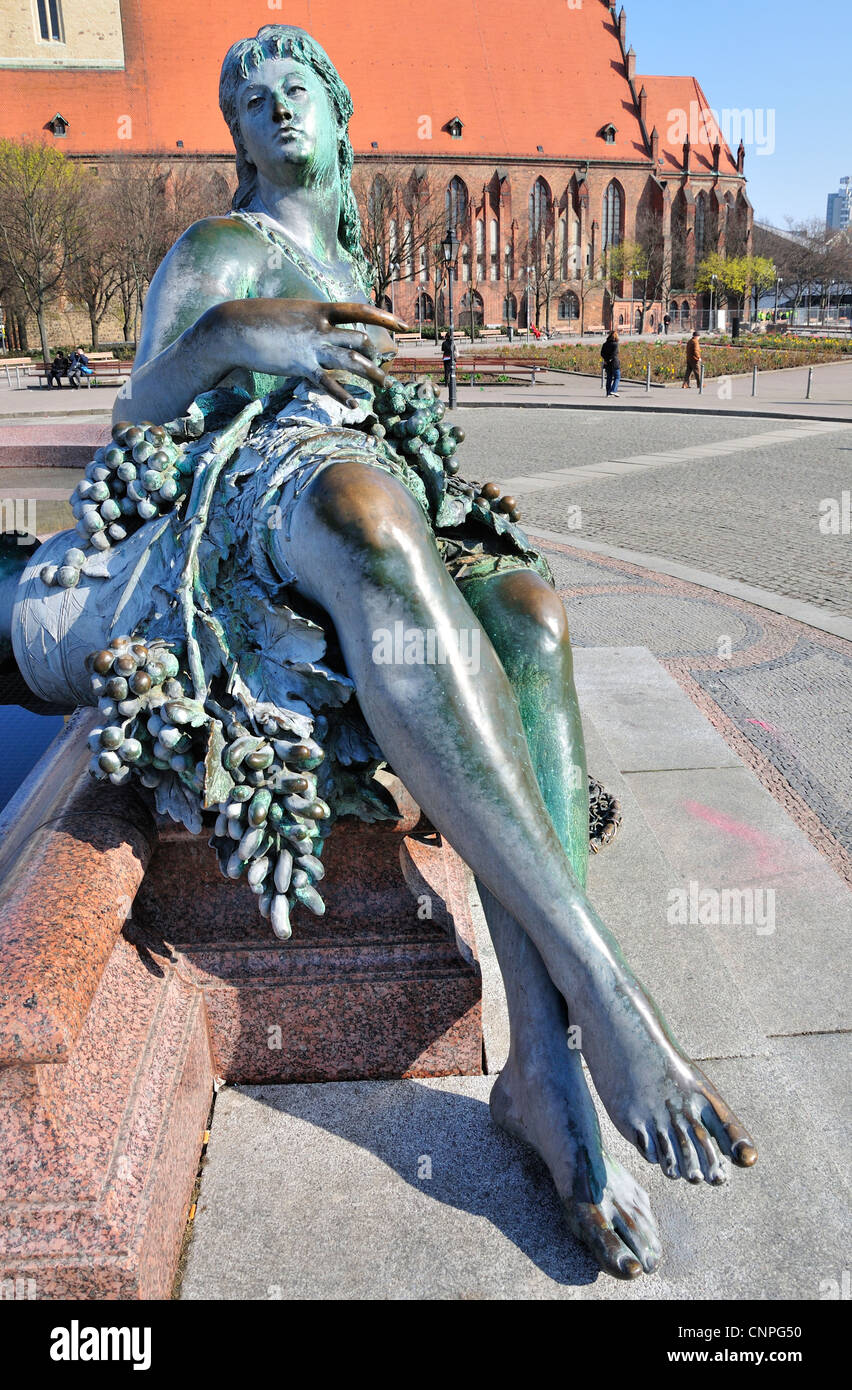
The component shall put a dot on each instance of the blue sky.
(790, 57)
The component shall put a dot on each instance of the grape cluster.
(489, 495)
(270, 831)
(410, 417)
(140, 475)
(271, 828)
(139, 697)
(604, 816)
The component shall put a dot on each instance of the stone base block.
(99, 1154)
(386, 984)
(132, 980)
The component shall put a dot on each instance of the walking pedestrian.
(666, 322)
(58, 367)
(612, 363)
(693, 360)
(447, 356)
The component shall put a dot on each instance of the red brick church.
(530, 131)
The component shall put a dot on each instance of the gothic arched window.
(613, 216)
(700, 225)
(539, 208)
(456, 202)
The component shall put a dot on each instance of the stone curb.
(682, 409)
(795, 609)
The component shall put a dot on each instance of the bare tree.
(148, 203)
(41, 198)
(399, 216)
(811, 259)
(14, 307)
(657, 256)
(93, 267)
(542, 274)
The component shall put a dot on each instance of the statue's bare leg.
(453, 732)
(541, 1094)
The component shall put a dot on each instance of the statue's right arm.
(199, 324)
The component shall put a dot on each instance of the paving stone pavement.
(780, 693)
(753, 516)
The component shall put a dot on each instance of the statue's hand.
(305, 337)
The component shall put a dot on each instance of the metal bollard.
(701, 380)
(754, 380)
(810, 382)
(648, 380)
(603, 378)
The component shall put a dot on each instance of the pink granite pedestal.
(134, 975)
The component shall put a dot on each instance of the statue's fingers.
(357, 362)
(353, 340)
(335, 389)
(345, 360)
(365, 313)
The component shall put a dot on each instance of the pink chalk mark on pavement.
(771, 856)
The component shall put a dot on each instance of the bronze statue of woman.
(268, 304)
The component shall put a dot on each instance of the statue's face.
(286, 119)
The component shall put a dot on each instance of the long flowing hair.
(287, 41)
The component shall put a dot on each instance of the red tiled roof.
(677, 105)
(517, 76)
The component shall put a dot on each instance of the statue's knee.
(364, 510)
(535, 615)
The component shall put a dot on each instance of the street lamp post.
(528, 270)
(713, 279)
(828, 305)
(450, 249)
(778, 283)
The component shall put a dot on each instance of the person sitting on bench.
(58, 367)
(79, 367)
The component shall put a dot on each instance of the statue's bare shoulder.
(215, 260)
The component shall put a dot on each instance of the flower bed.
(668, 360)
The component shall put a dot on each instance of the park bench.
(477, 364)
(107, 371)
(15, 364)
(482, 364)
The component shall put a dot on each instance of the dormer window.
(58, 126)
(50, 26)
(455, 128)
(608, 134)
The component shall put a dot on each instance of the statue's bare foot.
(605, 1208)
(657, 1098)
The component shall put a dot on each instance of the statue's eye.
(294, 90)
(254, 101)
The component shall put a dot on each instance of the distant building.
(839, 213)
(532, 127)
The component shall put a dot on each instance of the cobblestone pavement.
(779, 692)
(752, 516)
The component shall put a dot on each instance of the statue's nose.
(281, 110)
